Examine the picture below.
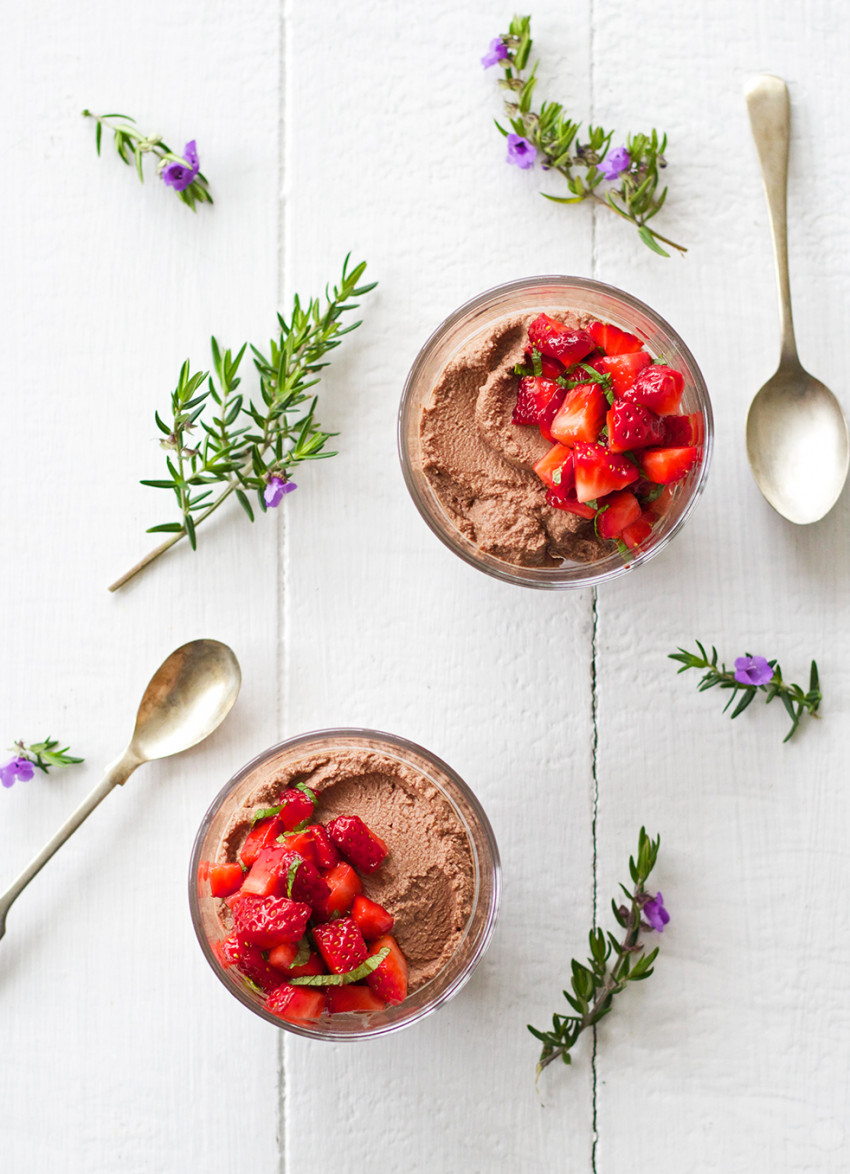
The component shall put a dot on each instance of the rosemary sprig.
(765, 677)
(595, 985)
(633, 196)
(131, 145)
(249, 446)
(43, 755)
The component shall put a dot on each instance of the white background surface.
(367, 126)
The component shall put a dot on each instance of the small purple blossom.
(178, 174)
(520, 152)
(655, 913)
(16, 768)
(275, 490)
(752, 670)
(497, 52)
(615, 163)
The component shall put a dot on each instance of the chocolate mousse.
(480, 465)
(426, 880)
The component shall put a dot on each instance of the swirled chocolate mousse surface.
(480, 465)
(427, 879)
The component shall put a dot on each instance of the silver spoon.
(797, 440)
(189, 696)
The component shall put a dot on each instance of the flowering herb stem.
(753, 675)
(32, 756)
(180, 172)
(249, 446)
(595, 985)
(625, 181)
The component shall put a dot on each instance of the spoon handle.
(770, 119)
(117, 773)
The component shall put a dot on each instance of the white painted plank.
(120, 1048)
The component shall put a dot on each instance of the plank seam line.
(594, 716)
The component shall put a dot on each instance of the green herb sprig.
(595, 985)
(349, 976)
(634, 196)
(243, 444)
(795, 699)
(44, 755)
(131, 147)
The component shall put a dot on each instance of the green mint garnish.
(519, 369)
(290, 876)
(343, 979)
(303, 955)
(308, 791)
(537, 361)
(264, 813)
(252, 986)
(623, 549)
(651, 494)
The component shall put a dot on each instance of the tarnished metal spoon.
(797, 440)
(189, 696)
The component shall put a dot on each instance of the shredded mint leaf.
(344, 979)
(537, 361)
(264, 813)
(290, 876)
(308, 791)
(303, 955)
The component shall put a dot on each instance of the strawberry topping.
(599, 472)
(357, 842)
(341, 945)
(631, 425)
(553, 338)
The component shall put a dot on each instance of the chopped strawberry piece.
(631, 425)
(263, 878)
(558, 462)
(638, 532)
(612, 340)
(268, 921)
(341, 945)
(549, 368)
(624, 370)
(615, 513)
(537, 400)
(227, 950)
(581, 415)
(283, 955)
(658, 388)
(295, 807)
(225, 879)
(297, 1004)
(204, 871)
(553, 338)
(250, 961)
(665, 465)
(261, 834)
(599, 472)
(304, 844)
(389, 980)
(659, 506)
(570, 503)
(326, 853)
(357, 842)
(342, 999)
(313, 965)
(682, 431)
(371, 918)
(343, 884)
(307, 883)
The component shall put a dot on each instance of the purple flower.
(275, 489)
(16, 768)
(655, 913)
(615, 163)
(497, 52)
(178, 174)
(752, 670)
(521, 152)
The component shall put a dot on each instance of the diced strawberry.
(599, 472)
(227, 950)
(624, 370)
(326, 853)
(297, 1004)
(659, 506)
(537, 400)
(264, 832)
(631, 425)
(307, 883)
(251, 962)
(638, 532)
(283, 955)
(341, 945)
(295, 807)
(665, 465)
(615, 513)
(553, 338)
(682, 431)
(268, 921)
(343, 884)
(304, 844)
(570, 503)
(357, 842)
(558, 461)
(389, 980)
(263, 878)
(342, 999)
(313, 965)
(612, 340)
(225, 879)
(581, 415)
(595, 361)
(658, 388)
(204, 871)
(371, 918)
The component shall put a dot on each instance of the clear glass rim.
(393, 742)
(556, 578)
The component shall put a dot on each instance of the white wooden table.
(368, 126)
